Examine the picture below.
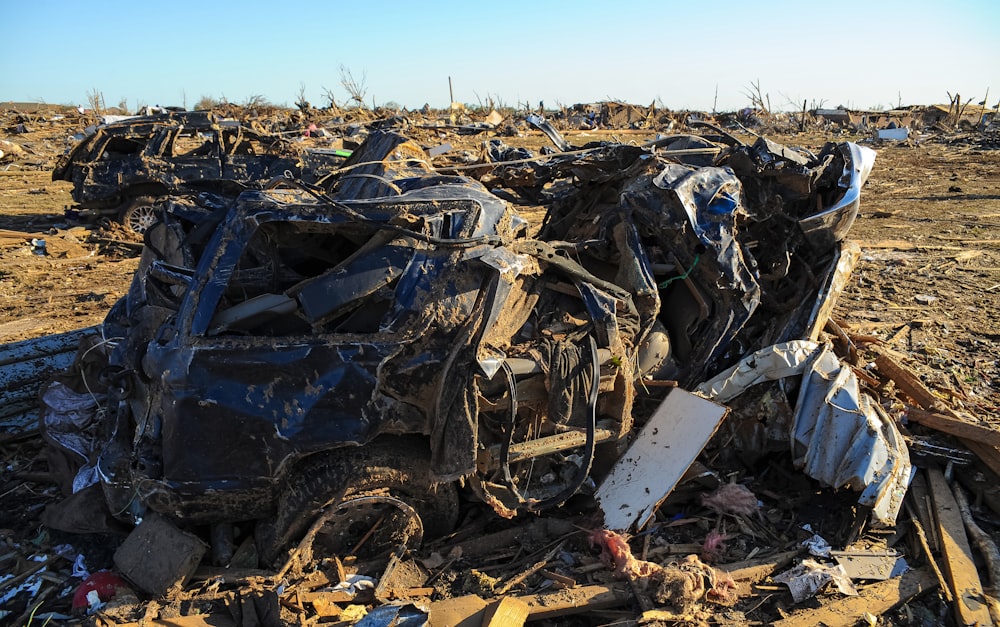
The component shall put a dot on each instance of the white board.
(667, 445)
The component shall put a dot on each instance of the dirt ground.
(927, 285)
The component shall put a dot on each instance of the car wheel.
(139, 214)
(385, 486)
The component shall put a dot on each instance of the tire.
(394, 466)
(139, 214)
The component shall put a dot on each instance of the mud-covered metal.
(270, 336)
(147, 158)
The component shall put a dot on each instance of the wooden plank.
(960, 570)
(667, 445)
(906, 381)
(989, 455)
(955, 426)
(466, 611)
(539, 529)
(898, 244)
(920, 499)
(754, 571)
(508, 612)
(875, 599)
(576, 600)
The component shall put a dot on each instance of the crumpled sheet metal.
(70, 420)
(836, 220)
(839, 436)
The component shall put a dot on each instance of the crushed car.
(127, 169)
(325, 356)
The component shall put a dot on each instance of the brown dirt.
(929, 278)
(77, 279)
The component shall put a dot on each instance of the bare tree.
(96, 100)
(758, 99)
(956, 108)
(256, 101)
(331, 99)
(357, 89)
(301, 101)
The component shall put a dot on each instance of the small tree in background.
(758, 99)
(96, 101)
(331, 99)
(357, 89)
(207, 102)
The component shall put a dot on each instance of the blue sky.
(857, 54)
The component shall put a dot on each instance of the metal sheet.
(839, 436)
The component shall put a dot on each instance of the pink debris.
(616, 553)
(714, 547)
(679, 584)
(732, 498)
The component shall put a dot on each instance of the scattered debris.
(874, 600)
(644, 275)
(832, 423)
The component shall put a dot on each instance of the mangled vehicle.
(376, 346)
(125, 170)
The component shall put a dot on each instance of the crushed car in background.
(127, 169)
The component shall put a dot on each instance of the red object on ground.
(105, 582)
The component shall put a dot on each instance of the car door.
(192, 160)
(250, 160)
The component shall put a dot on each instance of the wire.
(588, 456)
(680, 277)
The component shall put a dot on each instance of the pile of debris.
(32, 141)
(338, 401)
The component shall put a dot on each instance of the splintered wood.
(943, 417)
